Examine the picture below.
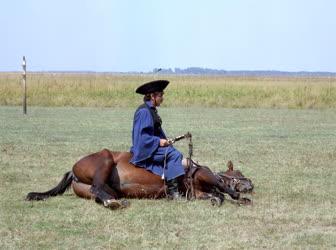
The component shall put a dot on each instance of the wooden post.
(24, 99)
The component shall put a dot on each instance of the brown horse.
(108, 176)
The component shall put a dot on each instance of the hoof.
(216, 201)
(116, 204)
(112, 204)
(245, 201)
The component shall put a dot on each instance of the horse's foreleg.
(206, 177)
(221, 186)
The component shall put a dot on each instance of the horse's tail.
(58, 190)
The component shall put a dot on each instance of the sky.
(139, 35)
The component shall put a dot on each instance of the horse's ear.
(230, 165)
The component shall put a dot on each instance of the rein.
(192, 170)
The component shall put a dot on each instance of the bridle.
(234, 179)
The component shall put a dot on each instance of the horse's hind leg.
(100, 189)
(82, 190)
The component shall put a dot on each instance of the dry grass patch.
(112, 90)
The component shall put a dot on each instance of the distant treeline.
(207, 71)
(198, 71)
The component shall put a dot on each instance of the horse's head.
(236, 180)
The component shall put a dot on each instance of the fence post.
(24, 101)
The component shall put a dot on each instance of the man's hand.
(164, 143)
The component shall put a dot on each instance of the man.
(151, 149)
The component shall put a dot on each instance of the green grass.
(112, 90)
(289, 154)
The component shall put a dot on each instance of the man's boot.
(172, 190)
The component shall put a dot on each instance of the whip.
(178, 138)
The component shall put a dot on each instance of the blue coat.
(146, 149)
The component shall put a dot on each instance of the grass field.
(112, 90)
(290, 155)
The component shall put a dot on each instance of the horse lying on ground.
(108, 176)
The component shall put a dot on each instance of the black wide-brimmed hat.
(151, 87)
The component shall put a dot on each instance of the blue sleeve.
(144, 141)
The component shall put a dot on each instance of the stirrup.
(172, 190)
(175, 196)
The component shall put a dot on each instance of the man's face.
(157, 98)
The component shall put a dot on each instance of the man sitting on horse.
(151, 149)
